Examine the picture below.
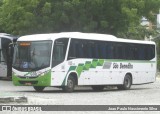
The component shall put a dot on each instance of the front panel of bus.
(35, 61)
(31, 63)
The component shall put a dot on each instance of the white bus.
(72, 59)
(5, 55)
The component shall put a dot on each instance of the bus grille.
(22, 77)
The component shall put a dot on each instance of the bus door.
(5, 63)
(58, 65)
(3, 66)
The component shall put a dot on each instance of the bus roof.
(8, 36)
(79, 35)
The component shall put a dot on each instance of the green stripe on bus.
(98, 62)
(71, 68)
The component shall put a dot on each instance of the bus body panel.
(3, 69)
(98, 75)
(89, 71)
(95, 76)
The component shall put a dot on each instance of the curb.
(13, 100)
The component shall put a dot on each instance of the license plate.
(28, 83)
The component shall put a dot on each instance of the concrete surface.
(139, 94)
(148, 94)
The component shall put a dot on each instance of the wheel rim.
(127, 82)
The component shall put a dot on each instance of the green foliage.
(25, 16)
(158, 64)
(117, 17)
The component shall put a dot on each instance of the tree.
(25, 16)
(1, 30)
(117, 17)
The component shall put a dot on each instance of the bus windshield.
(32, 56)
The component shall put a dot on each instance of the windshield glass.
(31, 56)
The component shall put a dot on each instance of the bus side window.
(85, 49)
(135, 53)
(79, 50)
(145, 52)
(119, 51)
(151, 52)
(127, 52)
(96, 51)
(131, 52)
(102, 53)
(107, 51)
(123, 51)
(110, 51)
(72, 50)
(141, 53)
(115, 51)
(148, 52)
(93, 48)
(89, 50)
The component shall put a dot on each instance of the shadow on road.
(86, 91)
(5, 79)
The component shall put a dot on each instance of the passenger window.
(79, 50)
(152, 52)
(110, 50)
(102, 53)
(72, 51)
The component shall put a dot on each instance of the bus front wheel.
(39, 88)
(126, 83)
(70, 84)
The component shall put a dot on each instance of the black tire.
(70, 85)
(39, 88)
(126, 83)
(98, 87)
